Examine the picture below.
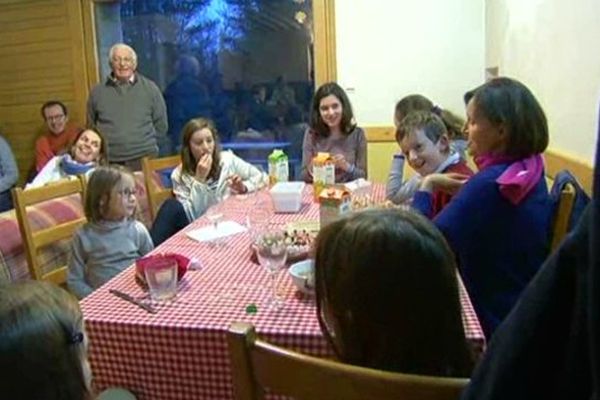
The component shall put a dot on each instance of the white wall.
(387, 49)
(552, 47)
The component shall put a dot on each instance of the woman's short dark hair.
(417, 102)
(317, 125)
(99, 190)
(386, 285)
(41, 343)
(187, 158)
(507, 101)
(102, 154)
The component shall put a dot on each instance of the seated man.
(9, 174)
(59, 135)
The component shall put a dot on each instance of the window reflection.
(246, 64)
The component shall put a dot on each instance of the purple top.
(352, 146)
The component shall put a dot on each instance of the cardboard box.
(333, 203)
(323, 173)
(279, 170)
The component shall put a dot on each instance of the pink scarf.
(520, 176)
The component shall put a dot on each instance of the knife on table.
(133, 300)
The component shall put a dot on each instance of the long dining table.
(180, 352)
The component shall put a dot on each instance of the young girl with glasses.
(112, 239)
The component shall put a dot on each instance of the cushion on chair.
(13, 261)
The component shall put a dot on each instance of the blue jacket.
(499, 246)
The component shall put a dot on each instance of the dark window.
(246, 64)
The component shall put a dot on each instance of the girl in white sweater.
(205, 177)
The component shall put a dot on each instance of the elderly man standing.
(59, 136)
(128, 109)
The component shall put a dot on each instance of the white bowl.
(303, 275)
(287, 196)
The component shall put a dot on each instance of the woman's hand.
(450, 182)
(203, 167)
(236, 185)
(340, 162)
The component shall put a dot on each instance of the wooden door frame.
(323, 45)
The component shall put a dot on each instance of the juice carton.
(323, 173)
(334, 202)
(279, 170)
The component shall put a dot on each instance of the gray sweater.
(352, 146)
(99, 251)
(129, 115)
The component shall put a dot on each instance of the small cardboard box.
(323, 173)
(279, 170)
(333, 202)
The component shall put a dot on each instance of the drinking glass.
(257, 220)
(214, 214)
(161, 277)
(271, 251)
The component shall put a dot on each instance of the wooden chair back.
(257, 365)
(563, 215)
(156, 192)
(33, 241)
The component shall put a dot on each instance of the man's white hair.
(116, 46)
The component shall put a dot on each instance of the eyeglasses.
(127, 192)
(122, 60)
(55, 117)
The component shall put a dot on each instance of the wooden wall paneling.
(41, 58)
(89, 37)
(324, 41)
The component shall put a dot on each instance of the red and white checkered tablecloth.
(181, 352)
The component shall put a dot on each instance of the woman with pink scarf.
(498, 223)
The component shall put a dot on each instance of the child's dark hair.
(102, 155)
(386, 285)
(317, 125)
(428, 122)
(41, 343)
(416, 102)
(187, 158)
(99, 190)
(507, 101)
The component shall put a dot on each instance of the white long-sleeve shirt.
(197, 196)
(53, 172)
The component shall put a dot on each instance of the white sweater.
(53, 172)
(197, 196)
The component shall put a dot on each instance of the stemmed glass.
(215, 215)
(271, 251)
(257, 220)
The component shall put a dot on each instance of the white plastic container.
(287, 196)
(303, 275)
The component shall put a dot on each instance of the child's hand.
(450, 182)
(236, 185)
(340, 162)
(203, 167)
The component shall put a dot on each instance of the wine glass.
(214, 214)
(257, 220)
(271, 251)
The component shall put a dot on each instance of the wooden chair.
(257, 365)
(33, 241)
(563, 215)
(156, 192)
